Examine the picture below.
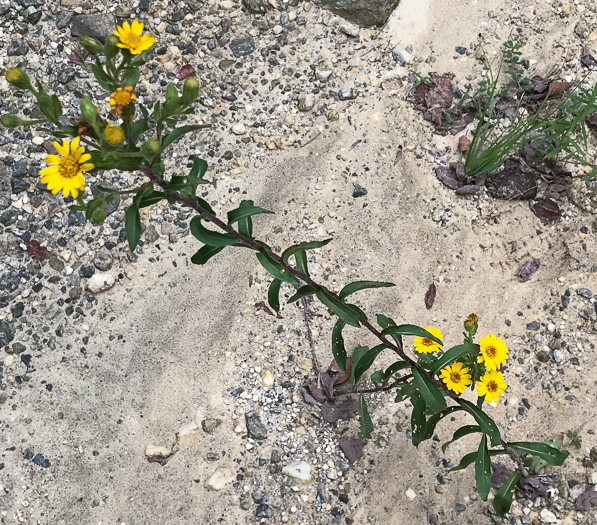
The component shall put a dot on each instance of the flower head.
(494, 351)
(424, 345)
(114, 134)
(121, 99)
(130, 37)
(456, 377)
(66, 170)
(17, 78)
(491, 385)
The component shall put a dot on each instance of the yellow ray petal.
(63, 150)
(84, 158)
(52, 159)
(86, 167)
(50, 170)
(74, 145)
(137, 27)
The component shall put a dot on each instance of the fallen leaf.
(499, 474)
(186, 71)
(535, 487)
(546, 209)
(332, 412)
(447, 177)
(528, 269)
(313, 396)
(262, 306)
(586, 59)
(343, 375)
(462, 122)
(464, 143)
(36, 250)
(586, 500)
(327, 380)
(352, 448)
(430, 296)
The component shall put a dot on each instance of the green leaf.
(156, 112)
(132, 224)
(366, 361)
(487, 424)
(418, 421)
(357, 355)
(456, 353)
(151, 199)
(339, 308)
(245, 211)
(395, 367)
(101, 76)
(431, 394)
(209, 237)
(483, 469)
(471, 458)
(205, 254)
(460, 433)
(286, 254)
(273, 296)
(301, 262)
(362, 285)
(386, 322)
(199, 169)
(303, 291)
(276, 269)
(435, 419)
(338, 348)
(177, 133)
(131, 76)
(378, 377)
(404, 392)
(409, 329)
(552, 455)
(137, 128)
(365, 419)
(503, 498)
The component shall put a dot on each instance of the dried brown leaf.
(352, 448)
(343, 375)
(430, 296)
(464, 143)
(546, 209)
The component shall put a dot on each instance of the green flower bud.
(98, 216)
(91, 44)
(190, 90)
(17, 78)
(110, 48)
(10, 121)
(88, 110)
(150, 147)
(471, 324)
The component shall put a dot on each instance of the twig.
(310, 336)
(374, 390)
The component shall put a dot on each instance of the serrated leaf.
(362, 285)
(339, 308)
(432, 395)
(338, 348)
(503, 498)
(303, 291)
(551, 455)
(483, 469)
(460, 433)
(456, 353)
(365, 362)
(205, 254)
(365, 419)
(276, 269)
(487, 424)
(209, 237)
(273, 296)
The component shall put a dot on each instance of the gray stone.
(66, 75)
(535, 325)
(350, 29)
(17, 47)
(56, 263)
(151, 234)
(256, 6)
(209, 425)
(306, 101)
(263, 511)
(358, 191)
(323, 75)
(102, 261)
(63, 18)
(243, 46)
(7, 332)
(255, 428)
(347, 94)
(19, 185)
(365, 13)
(96, 25)
(584, 292)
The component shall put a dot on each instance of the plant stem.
(378, 389)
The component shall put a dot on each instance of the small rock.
(298, 470)
(347, 94)
(209, 425)
(17, 47)
(243, 46)
(460, 50)
(7, 332)
(350, 29)
(547, 516)
(268, 379)
(151, 233)
(258, 497)
(100, 282)
(188, 431)
(219, 479)
(410, 494)
(239, 128)
(255, 428)
(306, 102)
(323, 75)
(358, 191)
(153, 451)
(95, 25)
(263, 511)
(584, 292)
(535, 325)
(103, 261)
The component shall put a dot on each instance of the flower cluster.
(493, 353)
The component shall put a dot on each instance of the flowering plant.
(120, 137)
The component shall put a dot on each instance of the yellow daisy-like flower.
(121, 99)
(424, 345)
(114, 134)
(494, 351)
(131, 38)
(491, 385)
(456, 377)
(66, 172)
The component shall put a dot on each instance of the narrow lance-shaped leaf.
(386, 322)
(245, 211)
(431, 394)
(418, 421)
(132, 221)
(205, 254)
(177, 133)
(460, 433)
(273, 296)
(366, 361)
(365, 419)
(209, 237)
(303, 291)
(357, 354)
(288, 252)
(409, 329)
(456, 353)
(468, 459)
(551, 455)
(483, 469)
(339, 308)
(301, 262)
(276, 269)
(503, 498)
(338, 348)
(362, 285)
(487, 424)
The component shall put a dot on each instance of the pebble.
(298, 470)
(410, 494)
(306, 102)
(220, 478)
(157, 451)
(350, 29)
(255, 428)
(547, 516)
(100, 282)
(209, 425)
(267, 379)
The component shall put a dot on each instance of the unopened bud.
(17, 78)
(471, 324)
(151, 147)
(190, 90)
(91, 44)
(10, 121)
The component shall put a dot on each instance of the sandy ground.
(174, 340)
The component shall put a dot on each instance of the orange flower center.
(427, 342)
(69, 167)
(492, 386)
(491, 351)
(455, 377)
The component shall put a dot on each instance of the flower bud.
(10, 121)
(151, 147)
(190, 90)
(91, 44)
(114, 134)
(88, 110)
(471, 324)
(17, 78)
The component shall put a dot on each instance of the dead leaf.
(430, 296)
(343, 375)
(586, 59)
(464, 143)
(528, 269)
(557, 88)
(327, 380)
(462, 122)
(586, 500)
(535, 487)
(592, 119)
(447, 177)
(186, 71)
(352, 448)
(499, 474)
(546, 209)
(36, 250)
(262, 306)
(309, 397)
(332, 412)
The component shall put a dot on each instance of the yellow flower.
(456, 377)
(492, 386)
(494, 351)
(424, 345)
(114, 134)
(66, 172)
(131, 38)
(121, 98)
